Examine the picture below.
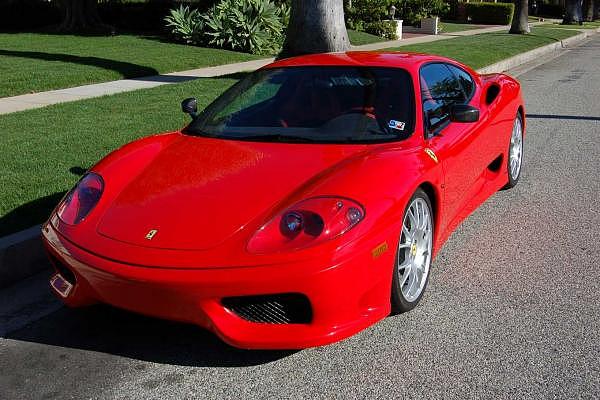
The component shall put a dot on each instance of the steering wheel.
(366, 111)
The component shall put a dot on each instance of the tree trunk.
(588, 10)
(520, 23)
(572, 12)
(316, 26)
(81, 16)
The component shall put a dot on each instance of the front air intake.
(285, 308)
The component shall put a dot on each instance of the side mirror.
(463, 113)
(190, 106)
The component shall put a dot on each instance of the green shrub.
(253, 26)
(384, 29)
(413, 11)
(185, 24)
(490, 13)
(365, 11)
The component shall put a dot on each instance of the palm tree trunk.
(316, 26)
(572, 12)
(588, 10)
(82, 16)
(520, 23)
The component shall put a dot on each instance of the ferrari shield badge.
(150, 235)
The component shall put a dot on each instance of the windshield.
(313, 104)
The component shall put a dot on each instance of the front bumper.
(344, 298)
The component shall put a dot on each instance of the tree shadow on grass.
(34, 212)
(29, 214)
(127, 70)
(109, 330)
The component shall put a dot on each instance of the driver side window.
(439, 90)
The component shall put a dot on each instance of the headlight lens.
(307, 223)
(78, 203)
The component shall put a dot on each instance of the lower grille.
(286, 308)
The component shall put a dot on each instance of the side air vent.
(491, 94)
(496, 164)
(285, 308)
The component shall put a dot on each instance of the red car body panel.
(207, 197)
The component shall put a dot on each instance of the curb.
(534, 54)
(22, 254)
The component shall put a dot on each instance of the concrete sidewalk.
(42, 99)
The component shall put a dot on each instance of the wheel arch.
(521, 112)
(434, 197)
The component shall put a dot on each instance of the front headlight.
(78, 203)
(307, 223)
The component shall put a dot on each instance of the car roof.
(396, 59)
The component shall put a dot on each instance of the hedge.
(551, 10)
(384, 29)
(490, 13)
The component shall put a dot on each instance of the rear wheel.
(515, 153)
(413, 257)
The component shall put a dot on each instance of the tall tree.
(572, 12)
(588, 10)
(520, 22)
(81, 16)
(316, 26)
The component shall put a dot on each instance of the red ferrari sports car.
(303, 205)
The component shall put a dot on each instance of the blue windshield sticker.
(399, 125)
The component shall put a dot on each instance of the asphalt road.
(512, 308)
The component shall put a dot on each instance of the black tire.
(399, 303)
(513, 180)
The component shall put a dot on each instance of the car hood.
(197, 192)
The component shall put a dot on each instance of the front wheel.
(515, 153)
(413, 257)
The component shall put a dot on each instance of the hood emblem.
(150, 235)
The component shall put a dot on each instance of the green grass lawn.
(586, 25)
(480, 50)
(33, 62)
(357, 38)
(449, 27)
(43, 150)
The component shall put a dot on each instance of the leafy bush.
(365, 11)
(254, 26)
(490, 13)
(384, 29)
(185, 24)
(413, 11)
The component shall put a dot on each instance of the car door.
(456, 145)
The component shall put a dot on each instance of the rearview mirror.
(463, 113)
(190, 106)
